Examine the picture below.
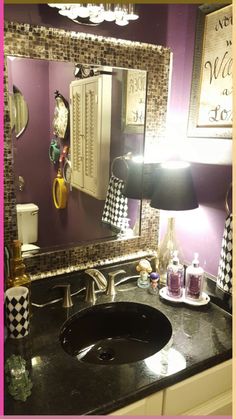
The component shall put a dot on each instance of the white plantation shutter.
(77, 137)
(90, 134)
(92, 137)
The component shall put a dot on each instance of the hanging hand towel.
(224, 277)
(116, 204)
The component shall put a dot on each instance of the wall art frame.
(210, 111)
(134, 101)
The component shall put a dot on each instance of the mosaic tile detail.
(39, 42)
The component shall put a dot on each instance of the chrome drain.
(106, 354)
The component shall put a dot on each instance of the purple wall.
(180, 39)
(199, 230)
(171, 25)
(152, 16)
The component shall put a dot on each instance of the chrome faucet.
(67, 301)
(111, 282)
(95, 277)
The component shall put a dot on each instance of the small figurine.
(154, 278)
(144, 268)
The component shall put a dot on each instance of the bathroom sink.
(115, 333)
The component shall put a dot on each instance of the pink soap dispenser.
(194, 280)
(175, 277)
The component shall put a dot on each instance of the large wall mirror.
(43, 149)
(41, 46)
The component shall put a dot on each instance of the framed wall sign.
(210, 113)
(134, 105)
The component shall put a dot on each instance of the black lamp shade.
(133, 183)
(174, 189)
(139, 182)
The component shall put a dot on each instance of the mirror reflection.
(46, 160)
(18, 111)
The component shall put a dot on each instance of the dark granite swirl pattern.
(62, 385)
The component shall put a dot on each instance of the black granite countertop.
(62, 385)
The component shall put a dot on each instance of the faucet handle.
(98, 277)
(111, 281)
(67, 301)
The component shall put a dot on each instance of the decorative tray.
(203, 301)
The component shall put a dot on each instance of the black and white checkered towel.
(116, 204)
(224, 278)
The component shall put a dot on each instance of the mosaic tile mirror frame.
(39, 42)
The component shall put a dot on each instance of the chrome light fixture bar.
(93, 14)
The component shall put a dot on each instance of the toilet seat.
(29, 248)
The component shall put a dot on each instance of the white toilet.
(27, 225)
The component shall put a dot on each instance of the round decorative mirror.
(19, 113)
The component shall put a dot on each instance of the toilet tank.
(27, 222)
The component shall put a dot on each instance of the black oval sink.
(115, 333)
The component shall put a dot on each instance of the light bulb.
(64, 12)
(119, 12)
(71, 12)
(109, 15)
(122, 22)
(97, 18)
(131, 15)
(82, 11)
(93, 8)
(96, 14)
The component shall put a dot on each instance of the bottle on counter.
(153, 287)
(194, 280)
(175, 277)
(18, 275)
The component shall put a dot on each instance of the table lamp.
(173, 190)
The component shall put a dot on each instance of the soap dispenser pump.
(194, 279)
(175, 277)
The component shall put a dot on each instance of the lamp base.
(166, 251)
(163, 279)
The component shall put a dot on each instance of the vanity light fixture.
(173, 190)
(94, 14)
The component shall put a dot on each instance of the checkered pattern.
(116, 204)
(17, 310)
(224, 278)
